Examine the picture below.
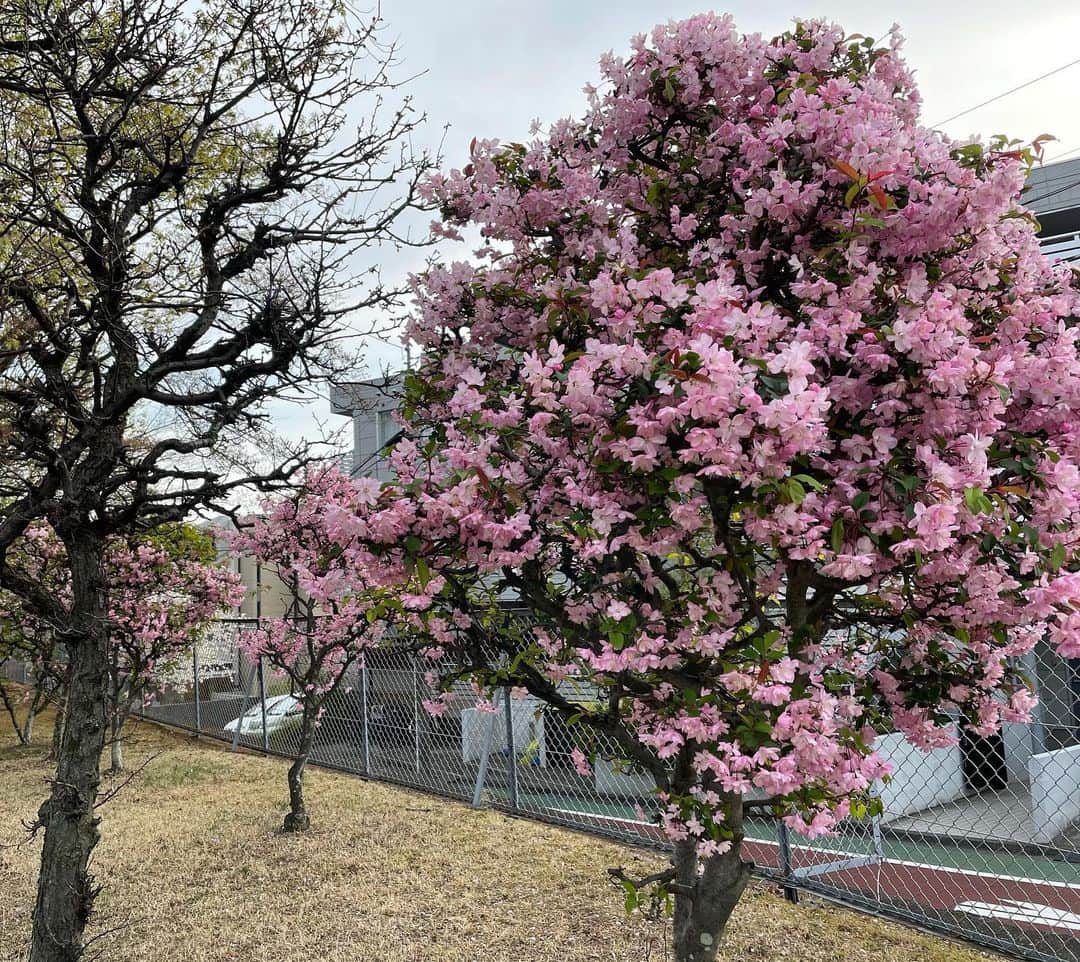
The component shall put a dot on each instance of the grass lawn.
(194, 869)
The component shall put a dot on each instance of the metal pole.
(481, 775)
(243, 711)
(416, 713)
(790, 893)
(1036, 730)
(364, 736)
(879, 844)
(198, 700)
(262, 702)
(511, 746)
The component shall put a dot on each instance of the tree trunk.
(58, 725)
(28, 725)
(116, 716)
(297, 819)
(9, 701)
(704, 901)
(116, 747)
(66, 890)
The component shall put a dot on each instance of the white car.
(282, 712)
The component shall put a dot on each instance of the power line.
(1013, 90)
(1064, 153)
(1060, 190)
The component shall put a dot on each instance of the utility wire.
(964, 113)
(1064, 153)
(1028, 201)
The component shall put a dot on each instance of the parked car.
(282, 714)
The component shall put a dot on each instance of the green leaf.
(837, 537)
(813, 483)
(1057, 556)
(974, 498)
(860, 500)
(796, 493)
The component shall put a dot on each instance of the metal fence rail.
(979, 842)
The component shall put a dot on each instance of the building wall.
(372, 406)
(1053, 195)
(266, 594)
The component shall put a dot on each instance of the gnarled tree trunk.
(297, 819)
(66, 890)
(704, 901)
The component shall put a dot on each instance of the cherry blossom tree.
(165, 587)
(761, 399)
(307, 540)
(33, 643)
(164, 590)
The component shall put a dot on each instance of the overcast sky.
(489, 68)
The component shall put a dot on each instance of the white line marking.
(1029, 912)
(841, 853)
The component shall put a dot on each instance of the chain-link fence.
(980, 841)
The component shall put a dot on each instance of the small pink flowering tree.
(164, 587)
(763, 402)
(32, 641)
(164, 590)
(311, 541)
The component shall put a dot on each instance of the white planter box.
(1055, 791)
(920, 779)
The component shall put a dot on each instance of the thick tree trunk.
(27, 735)
(297, 819)
(66, 889)
(705, 900)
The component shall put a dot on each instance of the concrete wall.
(920, 779)
(1055, 792)
(371, 405)
(266, 593)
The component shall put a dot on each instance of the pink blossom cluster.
(761, 399)
(161, 595)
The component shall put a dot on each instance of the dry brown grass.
(194, 869)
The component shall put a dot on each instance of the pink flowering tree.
(32, 641)
(761, 399)
(311, 541)
(164, 588)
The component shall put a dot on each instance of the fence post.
(262, 702)
(416, 712)
(481, 775)
(249, 694)
(195, 679)
(790, 893)
(511, 746)
(365, 739)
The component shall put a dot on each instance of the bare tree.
(185, 193)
